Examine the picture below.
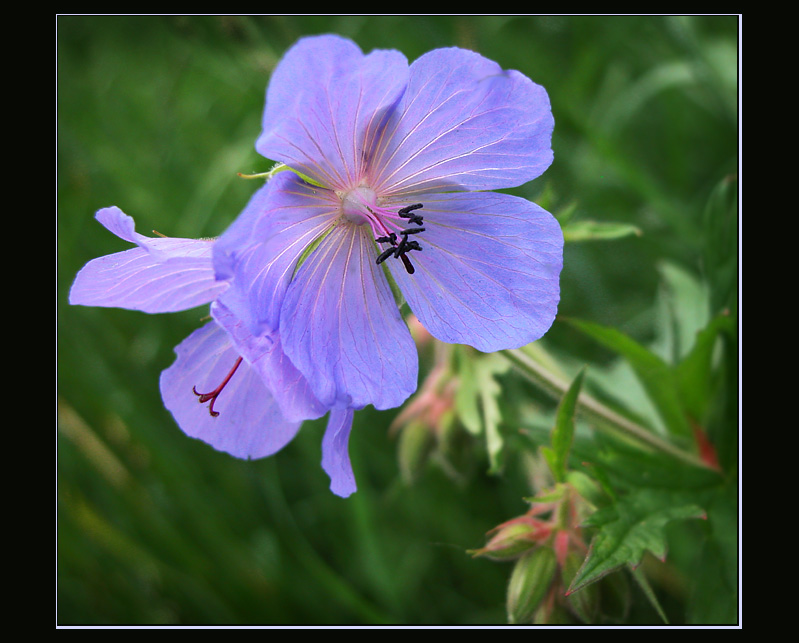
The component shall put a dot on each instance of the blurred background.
(157, 115)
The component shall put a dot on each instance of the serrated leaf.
(467, 404)
(476, 400)
(489, 367)
(598, 231)
(629, 528)
(563, 433)
(655, 375)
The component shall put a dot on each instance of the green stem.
(557, 387)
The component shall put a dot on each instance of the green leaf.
(598, 231)
(643, 583)
(467, 396)
(490, 391)
(476, 400)
(712, 596)
(656, 376)
(695, 372)
(563, 433)
(720, 256)
(682, 311)
(629, 528)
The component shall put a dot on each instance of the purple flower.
(228, 388)
(392, 167)
(389, 190)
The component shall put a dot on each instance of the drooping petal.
(341, 327)
(488, 272)
(260, 250)
(265, 355)
(326, 102)
(249, 424)
(464, 123)
(160, 276)
(335, 452)
(162, 249)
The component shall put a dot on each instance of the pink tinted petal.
(326, 102)
(464, 123)
(249, 424)
(335, 452)
(341, 327)
(265, 355)
(488, 272)
(260, 250)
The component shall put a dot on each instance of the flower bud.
(512, 539)
(531, 578)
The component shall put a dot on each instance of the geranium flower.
(228, 388)
(391, 171)
(391, 167)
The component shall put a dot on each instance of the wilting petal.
(325, 102)
(341, 327)
(335, 452)
(488, 271)
(249, 424)
(265, 355)
(260, 250)
(464, 121)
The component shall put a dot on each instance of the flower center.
(359, 206)
(205, 397)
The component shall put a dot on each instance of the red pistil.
(204, 397)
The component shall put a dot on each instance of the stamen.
(405, 213)
(204, 397)
(385, 255)
(408, 265)
(405, 246)
(391, 238)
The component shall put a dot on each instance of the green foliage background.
(158, 114)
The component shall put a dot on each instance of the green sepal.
(309, 249)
